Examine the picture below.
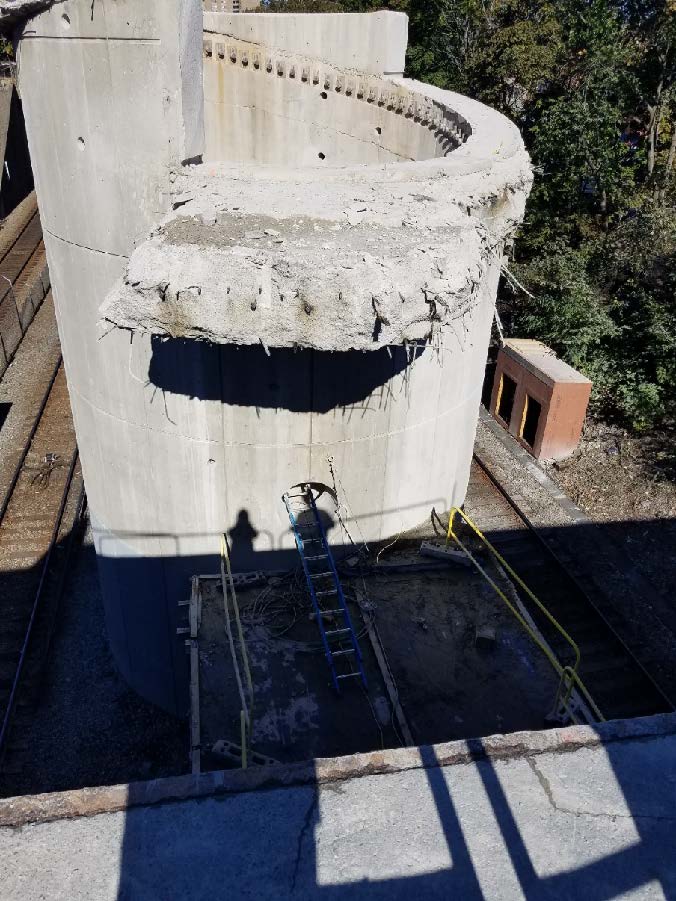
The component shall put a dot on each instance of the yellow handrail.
(246, 713)
(568, 674)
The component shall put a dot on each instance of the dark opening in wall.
(17, 175)
(4, 412)
(531, 421)
(506, 401)
(322, 156)
(324, 95)
(489, 376)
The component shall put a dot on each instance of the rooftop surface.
(542, 361)
(570, 813)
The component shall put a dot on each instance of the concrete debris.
(441, 552)
(232, 752)
(361, 288)
(405, 265)
(485, 638)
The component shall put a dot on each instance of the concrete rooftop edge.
(86, 802)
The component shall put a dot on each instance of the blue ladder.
(340, 643)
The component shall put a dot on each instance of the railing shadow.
(534, 827)
(596, 823)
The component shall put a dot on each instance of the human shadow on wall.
(301, 381)
(243, 534)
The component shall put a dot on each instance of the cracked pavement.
(596, 822)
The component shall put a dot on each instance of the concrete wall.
(372, 42)
(269, 106)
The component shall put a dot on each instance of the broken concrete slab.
(230, 277)
(337, 254)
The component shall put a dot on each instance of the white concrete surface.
(273, 106)
(594, 823)
(372, 42)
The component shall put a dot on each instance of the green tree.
(592, 85)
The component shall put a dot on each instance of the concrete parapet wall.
(374, 43)
(271, 106)
(18, 812)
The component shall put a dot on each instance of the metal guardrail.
(569, 678)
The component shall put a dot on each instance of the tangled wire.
(43, 471)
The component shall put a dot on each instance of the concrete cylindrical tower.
(336, 256)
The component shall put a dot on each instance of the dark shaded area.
(506, 402)
(90, 729)
(77, 722)
(17, 174)
(4, 412)
(532, 421)
(142, 597)
(301, 381)
(489, 376)
(242, 536)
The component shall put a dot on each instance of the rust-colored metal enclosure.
(539, 399)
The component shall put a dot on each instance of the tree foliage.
(592, 85)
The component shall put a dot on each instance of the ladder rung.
(331, 612)
(322, 594)
(342, 653)
(321, 575)
(349, 676)
(337, 632)
(317, 557)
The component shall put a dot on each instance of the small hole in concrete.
(322, 156)
(324, 95)
(379, 130)
(65, 22)
(80, 144)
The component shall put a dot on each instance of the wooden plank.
(385, 673)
